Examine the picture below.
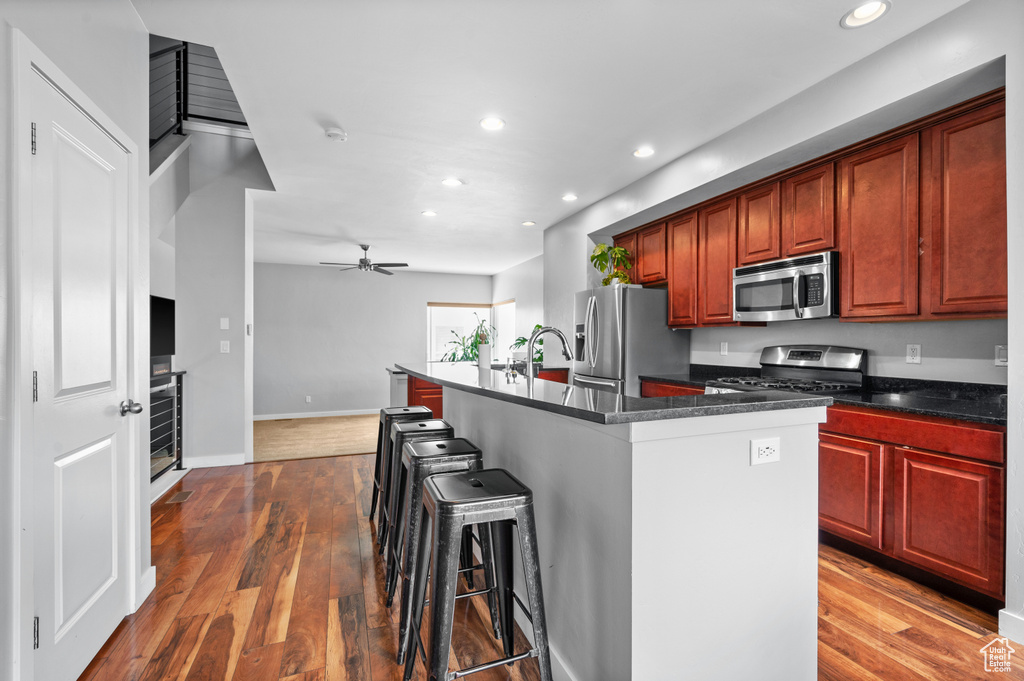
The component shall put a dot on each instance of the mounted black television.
(161, 334)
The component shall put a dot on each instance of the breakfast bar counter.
(665, 552)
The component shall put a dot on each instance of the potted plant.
(612, 262)
(467, 348)
(538, 348)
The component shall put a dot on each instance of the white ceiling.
(581, 84)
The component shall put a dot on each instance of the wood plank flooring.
(270, 571)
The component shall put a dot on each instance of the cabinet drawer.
(949, 517)
(850, 488)
(972, 440)
(657, 389)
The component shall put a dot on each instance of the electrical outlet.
(309, 399)
(1002, 359)
(225, 346)
(225, 323)
(913, 353)
(767, 450)
(723, 349)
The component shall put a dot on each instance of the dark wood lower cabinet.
(882, 485)
(658, 389)
(427, 394)
(556, 375)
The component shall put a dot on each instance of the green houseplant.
(467, 348)
(612, 262)
(538, 348)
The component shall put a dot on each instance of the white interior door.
(79, 258)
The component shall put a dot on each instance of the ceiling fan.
(365, 265)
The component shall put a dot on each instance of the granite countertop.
(976, 402)
(599, 406)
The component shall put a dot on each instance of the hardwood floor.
(270, 571)
(314, 437)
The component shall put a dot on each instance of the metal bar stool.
(451, 501)
(421, 460)
(402, 432)
(389, 415)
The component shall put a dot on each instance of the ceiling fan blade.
(378, 268)
(346, 269)
(391, 264)
(343, 264)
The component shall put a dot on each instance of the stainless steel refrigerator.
(621, 332)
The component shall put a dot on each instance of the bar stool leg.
(385, 493)
(395, 542)
(410, 636)
(501, 535)
(376, 470)
(445, 568)
(531, 564)
(484, 530)
(466, 555)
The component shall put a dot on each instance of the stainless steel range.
(823, 369)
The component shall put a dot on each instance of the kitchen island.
(665, 553)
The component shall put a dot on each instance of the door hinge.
(35, 633)
(35, 386)
(33, 139)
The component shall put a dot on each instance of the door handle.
(796, 296)
(130, 405)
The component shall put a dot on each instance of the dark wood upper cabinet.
(850, 488)
(758, 237)
(949, 517)
(682, 270)
(808, 211)
(628, 241)
(716, 258)
(878, 230)
(652, 255)
(966, 222)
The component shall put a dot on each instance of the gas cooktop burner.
(799, 384)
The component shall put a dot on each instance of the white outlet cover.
(225, 346)
(1002, 358)
(723, 348)
(913, 353)
(225, 323)
(766, 450)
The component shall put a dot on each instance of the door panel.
(81, 445)
(682, 272)
(850, 488)
(808, 211)
(759, 225)
(716, 260)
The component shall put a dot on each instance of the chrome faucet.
(566, 350)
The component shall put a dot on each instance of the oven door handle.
(797, 310)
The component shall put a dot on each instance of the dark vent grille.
(179, 497)
(210, 96)
(817, 259)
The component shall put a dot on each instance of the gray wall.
(330, 334)
(525, 284)
(101, 45)
(919, 73)
(169, 186)
(210, 283)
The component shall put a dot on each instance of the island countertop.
(598, 406)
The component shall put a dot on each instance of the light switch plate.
(225, 346)
(225, 323)
(1002, 358)
(723, 348)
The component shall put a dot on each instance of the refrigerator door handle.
(595, 322)
(591, 381)
(587, 331)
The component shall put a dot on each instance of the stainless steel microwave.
(783, 290)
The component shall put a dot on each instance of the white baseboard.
(145, 587)
(159, 487)
(214, 460)
(1011, 625)
(314, 414)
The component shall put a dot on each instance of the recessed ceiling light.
(492, 123)
(429, 213)
(451, 182)
(569, 197)
(529, 223)
(865, 13)
(643, 152)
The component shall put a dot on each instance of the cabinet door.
(682, 270)
(657, 389)
(556, 375)
(758, 237)
(967, 224)
(427, 394)
(808, 211)
(949, 517)
(628, 241)
(850, 488)
(878, 230)
(716, 260)
(652, 254)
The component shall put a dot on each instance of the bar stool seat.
(402, 432)
(451, 501)
(389, 415)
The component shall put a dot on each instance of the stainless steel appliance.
(782, 290)
(823, 369)
(621, 332)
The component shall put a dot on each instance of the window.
(447, 322)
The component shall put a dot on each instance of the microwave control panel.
(813, 293)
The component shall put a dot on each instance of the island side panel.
(725, 553)
(580, 474)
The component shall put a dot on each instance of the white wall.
(330, 334)
(102, 46)
(525, 284)
(950, 351)
(210, 274)
(870, 96)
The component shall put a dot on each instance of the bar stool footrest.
(491, 665)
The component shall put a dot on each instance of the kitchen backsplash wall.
(950, 351)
